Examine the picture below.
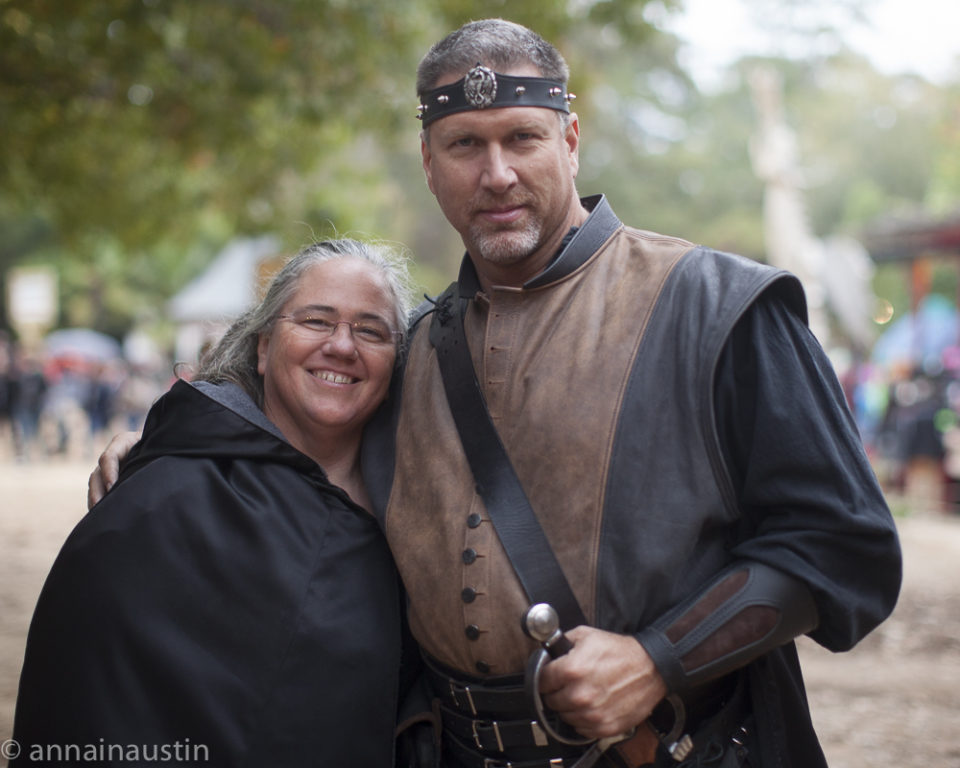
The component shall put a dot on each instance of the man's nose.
(498, 172)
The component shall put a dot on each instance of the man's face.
(504, 179)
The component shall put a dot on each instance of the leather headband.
(482, 88)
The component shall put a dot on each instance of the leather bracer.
(748, 609)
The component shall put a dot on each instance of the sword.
(541, 623)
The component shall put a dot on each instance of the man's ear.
(426, 157)
(572, 139)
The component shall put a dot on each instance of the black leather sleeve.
(748, 609)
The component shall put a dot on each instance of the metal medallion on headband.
(480, 87)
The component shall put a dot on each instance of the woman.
(230, 601)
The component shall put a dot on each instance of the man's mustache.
(488, 202)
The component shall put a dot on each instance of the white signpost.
(32, 301)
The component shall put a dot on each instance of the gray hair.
(234, 357)
(496, 43)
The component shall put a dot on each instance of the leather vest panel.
(565, 359)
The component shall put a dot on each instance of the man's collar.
(594, 232)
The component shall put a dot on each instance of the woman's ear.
(263, 345)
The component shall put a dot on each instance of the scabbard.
(640, 749)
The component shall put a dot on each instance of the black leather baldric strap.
(507, 505)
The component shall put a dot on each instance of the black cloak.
(223, 605)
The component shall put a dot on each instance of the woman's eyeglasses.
(368, 333)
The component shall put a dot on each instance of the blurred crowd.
(909, 417)
(67, 404)
(70, 404)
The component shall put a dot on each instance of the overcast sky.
(921, 36)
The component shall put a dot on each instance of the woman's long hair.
(234, 357)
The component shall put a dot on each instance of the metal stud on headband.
(482, 88)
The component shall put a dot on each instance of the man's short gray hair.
(495, 43)
(234, 357)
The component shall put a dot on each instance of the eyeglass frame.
(354, 325)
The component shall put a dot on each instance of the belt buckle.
(455, 689)
(540, 736)
(496, 732)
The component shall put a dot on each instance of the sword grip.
(558, 645)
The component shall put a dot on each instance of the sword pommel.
(542, 623)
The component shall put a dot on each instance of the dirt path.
(895, 699)
(892, 701)
(40, 505)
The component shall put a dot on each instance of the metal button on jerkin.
(472, 631)
(474, 520)
(468, 595)
(469, 556)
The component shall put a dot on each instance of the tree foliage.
(141, 119)
(156, 128)
(141, 135)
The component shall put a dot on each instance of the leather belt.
(464, 757)
(494, 735)
(500, 718)
(508, 701)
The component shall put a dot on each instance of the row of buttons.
(469, 594)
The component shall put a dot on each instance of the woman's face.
(317, 387)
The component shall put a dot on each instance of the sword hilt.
(541, 623)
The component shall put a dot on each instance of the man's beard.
(506, 246)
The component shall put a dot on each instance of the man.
(676, 428)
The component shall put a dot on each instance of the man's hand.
(605, 686)
(108, 466)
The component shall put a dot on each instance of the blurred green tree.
(139, 135)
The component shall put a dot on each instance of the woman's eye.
(370, 333)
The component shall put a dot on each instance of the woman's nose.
(341, 341)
